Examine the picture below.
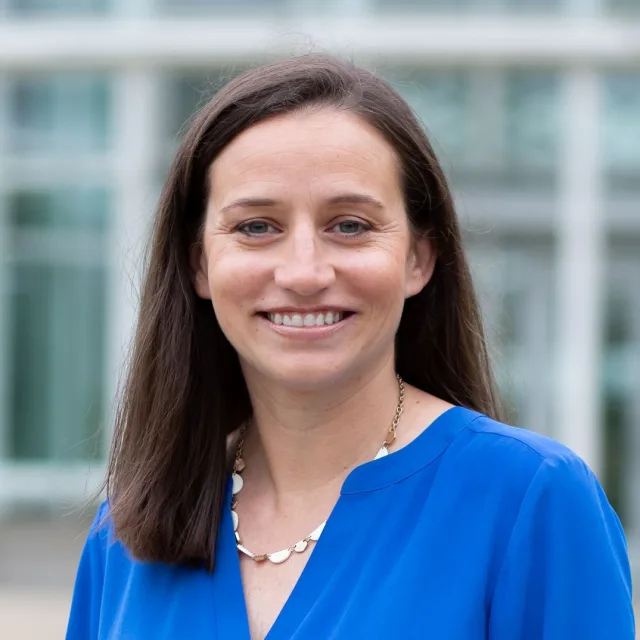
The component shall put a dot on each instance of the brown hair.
(185, 392)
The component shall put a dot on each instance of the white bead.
(234, 517)
(238, 483)
(279, 556)
(300, 546)
(317, 531)
(245, 551)
(382, 453)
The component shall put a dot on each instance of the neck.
(302, 442)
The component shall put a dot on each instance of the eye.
(350, 228)
(257, 228)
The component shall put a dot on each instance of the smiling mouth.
(307, 319)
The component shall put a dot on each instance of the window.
(490, 127)
(237, 7)
(620, 384)
(441, 100)
(531, 124)
(56, 267)
(58, 114)
(477, 6)
(185, 94)
(58, 7)
(621, 131)
(514, 279)
(625, 7)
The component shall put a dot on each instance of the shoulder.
(538, 488)
(102, 526)
(560, 559)
(514, 468)
(523, 440)
(101, 542)
(517, 452)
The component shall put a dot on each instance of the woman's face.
(308, 256)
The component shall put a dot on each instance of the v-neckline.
(231, 603)
(230, 599)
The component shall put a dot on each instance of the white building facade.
(534, 106)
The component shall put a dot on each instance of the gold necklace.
(278, 557)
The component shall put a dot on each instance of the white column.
(580, 260)
(136, 160)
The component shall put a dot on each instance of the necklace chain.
(279, 557)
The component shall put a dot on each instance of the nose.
(304, 268)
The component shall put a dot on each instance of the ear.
(421, 262)
(199, 274)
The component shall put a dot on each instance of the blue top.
(474, 530)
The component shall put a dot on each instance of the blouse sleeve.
(565, 573)
(84, 618)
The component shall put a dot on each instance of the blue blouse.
(475, 530)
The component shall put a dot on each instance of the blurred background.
(532, 105)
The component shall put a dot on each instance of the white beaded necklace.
(278, 557)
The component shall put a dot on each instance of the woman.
(308, 310)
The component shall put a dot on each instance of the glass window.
(414, 6)
(58, 7)
(237, 7)
(489, 127)
(623, 6)
(514, 279)
(65, 112)
(621, 130)
(79, 209)
(534, 6)
(186, 94)
(56, 321)
(620, 384)
(532, 122)
(442, 101)
(484, 6)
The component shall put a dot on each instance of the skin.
(306, 211)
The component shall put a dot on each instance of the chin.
(308, 374)
(307, 378)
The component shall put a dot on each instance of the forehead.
(307, 147)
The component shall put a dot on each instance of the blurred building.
(533, 106)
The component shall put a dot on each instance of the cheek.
(236, 281)
(379, 276)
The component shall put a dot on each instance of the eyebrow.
(242, 203)
(345, 198)
(356, 198)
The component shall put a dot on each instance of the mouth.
(307, 320)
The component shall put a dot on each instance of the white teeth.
(306, 320)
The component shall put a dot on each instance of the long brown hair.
(185, 392)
